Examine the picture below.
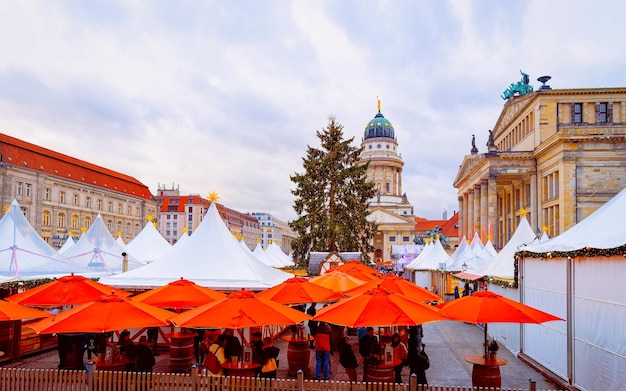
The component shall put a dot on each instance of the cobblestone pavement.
(447, 343)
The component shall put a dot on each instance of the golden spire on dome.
(378, 103)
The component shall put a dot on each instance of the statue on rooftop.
(520, 88)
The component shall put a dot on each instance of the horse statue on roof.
(520, 88)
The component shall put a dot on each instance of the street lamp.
(464, 267)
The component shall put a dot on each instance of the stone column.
(484, 210)
(470, 215)
(461, 216)
(477, 214)
(492, 202)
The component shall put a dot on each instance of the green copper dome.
(379, 127)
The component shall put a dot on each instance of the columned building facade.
(553, 155)
(389, 208)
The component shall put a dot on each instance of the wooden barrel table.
(182, 356)
(486, 372)
(298, 354)
(381, 373)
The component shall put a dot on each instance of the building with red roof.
(61, 195)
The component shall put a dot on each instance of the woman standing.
(400, 353)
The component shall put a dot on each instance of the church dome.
(379, 127)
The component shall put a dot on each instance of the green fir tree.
(332, 199)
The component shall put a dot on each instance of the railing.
(20, 379)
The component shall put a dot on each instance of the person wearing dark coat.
(347, 359)
(414, 345)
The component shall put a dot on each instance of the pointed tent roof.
(120, 241)
(24, 255)
(280, 255)
(460, 249)
(411, 265)
(183, 239)
(603, 229)
(502, 266)
(489, 247)
(436, 256)
(97, 251)
(262, 256)
(244, 245)
(66, 246)
(211, 257)
(149, 245)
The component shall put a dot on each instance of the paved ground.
(447, 343)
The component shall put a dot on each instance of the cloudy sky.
(225, 96)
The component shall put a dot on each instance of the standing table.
(298, 354)
(486, 372)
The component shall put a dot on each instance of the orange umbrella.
(357, 265)
(179, 294)
(10, 311)
(238, 310)
(299, 290)
(489, 307)
(67, 290)
(104, 314)
(378, 307)
(360, 274)
(397, 285)
(337, 281)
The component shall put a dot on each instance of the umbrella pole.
(485, 344)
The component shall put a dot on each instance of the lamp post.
(464, 267)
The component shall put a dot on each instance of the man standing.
(323, 341)
(368, 347)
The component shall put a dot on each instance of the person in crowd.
(323, 342)
(368, 345)
(256, 343)
(269, 352)
(233, 347)
(400, 354)
(143, 357)
(415, 362)
(347, 359)
(312, 323)
(466, 290)
(126, 348)
(456, 292)
(218, 349)
(153, 338)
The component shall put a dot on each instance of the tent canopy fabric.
(264, 257)
(66, 246)
(600, 230)
(149, 245)
(436, 256)
(24, 255)
(99, 252)
(211, 257)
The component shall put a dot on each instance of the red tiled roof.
(20, 153)
(447, 226)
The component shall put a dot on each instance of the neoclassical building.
(390, 208)
(554, 154)
(61, 195)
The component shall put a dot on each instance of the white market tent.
(277, 253)
(99, 252)
(502, 267)
(183, 239)
(577, 275)
(262, 256)
(149, 245)
(66, 246)
(24, 255)
(474, 256)
(211, 257)
(489, 247)
(434, 256)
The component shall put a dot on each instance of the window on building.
(167, 233)
(190, 217)
(61, 220)
(46, 218)
(120, 208)
(74, 222)
(24, 211)
(99, 204)
(129, 210)
(127, 228)
(110, 206)
(28, 189)
(87, 202)
(175, 217)
(174, 225)
(118, 226)
(406, 239)
(46, 194)
(19, 188)
(175, 234)
(62, 197)
(191, 209)
(75, 200)
(87, 222)
(136, 231)
(551, 186)
(392, 238)
(110, 225)
(577, 113)
(167, 217)
(168, 225)
(604, 112)
(388, 187)
(551, 217)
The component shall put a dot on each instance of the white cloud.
(226, 96)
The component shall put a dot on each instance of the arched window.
(136, 232)
(110, 225)
(127, 229)
(74, 221)
(87, 222)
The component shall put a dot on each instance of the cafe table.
(486, 372)
(119, 364)
(241, 369)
